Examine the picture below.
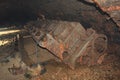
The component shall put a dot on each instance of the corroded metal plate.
(112, 7)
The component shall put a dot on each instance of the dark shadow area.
(88, 14)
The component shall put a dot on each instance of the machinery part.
(68, 41)
(112, 7)
(72, 58)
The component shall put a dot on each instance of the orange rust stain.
(111, 8)
(81, 58)
(44, 44)
(101, 58)
(61, 46)
(96, 1)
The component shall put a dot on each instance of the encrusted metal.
(69, 41)
(112, 7)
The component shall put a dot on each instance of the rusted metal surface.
(112, 7)
(69, 41)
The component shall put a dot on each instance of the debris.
(16, 70)
(34, 71)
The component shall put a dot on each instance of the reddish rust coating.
(69, 41)
(112, 7)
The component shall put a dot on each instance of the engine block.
(69, 41)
